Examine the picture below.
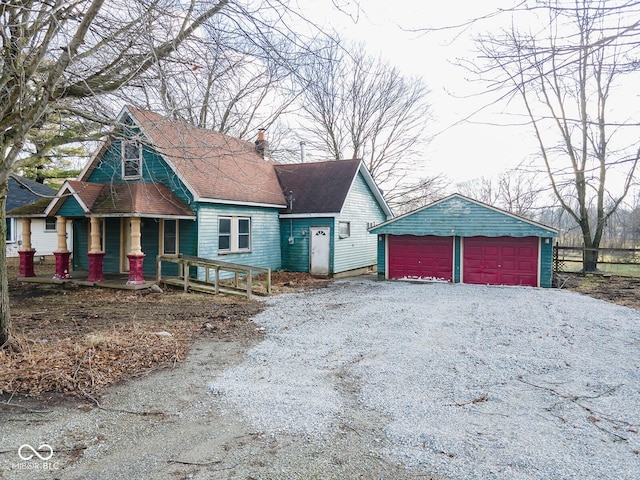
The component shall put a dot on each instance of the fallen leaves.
(86, 364)
(78, 342)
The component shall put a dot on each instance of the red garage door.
(420, 257)
(500, 261)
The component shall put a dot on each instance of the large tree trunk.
(589, 259)
(5, 317)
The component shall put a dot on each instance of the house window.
(234, 234)
(50, 224)
(11, 230)
(243, 234)
(169, 237)
(131, 160)
(344, 229)
(224, 234)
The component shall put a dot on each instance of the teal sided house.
(461, 240)
(163, 187)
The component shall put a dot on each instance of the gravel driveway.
(468, 382)
(367, 379)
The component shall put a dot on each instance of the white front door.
(320, 240)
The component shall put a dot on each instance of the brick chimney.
(262, 146)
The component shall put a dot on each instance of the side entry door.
(320, 247)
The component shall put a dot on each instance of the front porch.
(129, 270)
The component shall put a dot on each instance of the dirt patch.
(287, 282)
(615, 289)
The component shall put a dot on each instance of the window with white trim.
(11, 230)
(344, 229)
(51, 224)
(131, 160)
(170, 237)
(234, 234)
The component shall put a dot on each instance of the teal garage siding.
(546, 262)
(295, 256)
(457, 260)
(459, 216)
(265, 235)
(382, 255)
(359, 250)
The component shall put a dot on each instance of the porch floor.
(111, 280)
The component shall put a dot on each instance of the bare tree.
(224, 82)
(58, 57)
(516, 191)
(483, 189)
(358, 106)
(418, 194)
(567, 70)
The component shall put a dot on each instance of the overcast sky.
(461, 152)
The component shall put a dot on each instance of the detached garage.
(461, 240)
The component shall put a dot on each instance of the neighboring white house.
(28, 199)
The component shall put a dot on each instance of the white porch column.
(136, 246)
(95, 235)
(26, 234)
(62, 234)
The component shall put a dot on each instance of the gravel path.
(468, 382)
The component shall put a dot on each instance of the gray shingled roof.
(319, 187)
(23, 191)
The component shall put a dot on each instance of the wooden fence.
(612, 261)
(195, 273)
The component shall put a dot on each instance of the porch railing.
(215, 276)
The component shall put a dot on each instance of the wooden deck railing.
(241, 279)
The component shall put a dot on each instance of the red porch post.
(136, 256)
(26, 253)
(62, 254)
(136, 264)
(96, 255)
(95, 267)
